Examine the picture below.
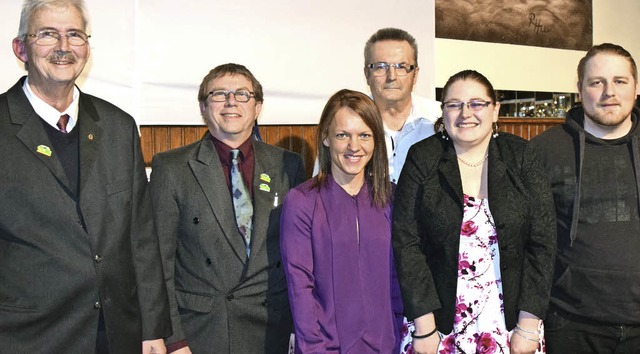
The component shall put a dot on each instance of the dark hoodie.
(595, 185)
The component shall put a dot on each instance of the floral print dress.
(479, 325)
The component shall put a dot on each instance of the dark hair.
(391, 34)
(606, 48)
(460, 76)
(229, 69)
(377, 169)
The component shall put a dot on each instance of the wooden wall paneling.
(299, 138)
(193, 133)
(146, 143)
(160, 139)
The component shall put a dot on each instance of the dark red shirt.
(245, 164)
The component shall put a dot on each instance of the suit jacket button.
(230, 297)
(97, 305)
(208, 261)
(264, 303)
(196, 220)
(97, 258)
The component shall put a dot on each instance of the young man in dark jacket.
(593, 161)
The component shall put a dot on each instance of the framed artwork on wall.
(562, 24)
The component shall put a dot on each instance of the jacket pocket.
(193, 302)
(15, 308)
(586, 287)
(118, 186)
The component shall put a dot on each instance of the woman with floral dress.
(473, 232)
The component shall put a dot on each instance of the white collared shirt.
(50, 114)
(418, 126)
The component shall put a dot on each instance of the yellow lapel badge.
(44, 150)
(265, 187)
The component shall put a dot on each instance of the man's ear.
(19, 49)
(258, 109)
(579, 89)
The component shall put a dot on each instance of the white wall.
(149, 56)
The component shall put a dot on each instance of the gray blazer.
(63, 257)
(220, 302)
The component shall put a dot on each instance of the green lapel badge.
(44, 150)
(265, 177)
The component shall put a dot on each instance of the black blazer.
(63, 256)
(428, 214)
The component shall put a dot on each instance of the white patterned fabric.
(479, 325)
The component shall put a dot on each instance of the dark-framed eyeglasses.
(52, 37)
(456, 106)
(238, 95)
(381, 68)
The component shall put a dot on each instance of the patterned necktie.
(241, 201)
(62, 123)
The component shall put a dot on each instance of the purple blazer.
(342, 286)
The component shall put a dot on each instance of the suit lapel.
(208, 171)
(90, 137)
(32, 134)
(450, 173)
(496, 195)
(263, 200)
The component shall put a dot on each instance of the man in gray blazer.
(80, 268)
(226, 284)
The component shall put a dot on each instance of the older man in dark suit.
(80, 268)
(217, 206)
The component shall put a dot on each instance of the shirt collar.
(224, 150)
(47, 112)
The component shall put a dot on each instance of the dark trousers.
(102, 342)
(567, 334)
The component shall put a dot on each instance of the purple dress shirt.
(342, 284)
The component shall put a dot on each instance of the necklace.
(473, 164)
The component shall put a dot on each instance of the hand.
(520, 345)
(427, 345)
(425, 324)
(155, 346)
(529, 323)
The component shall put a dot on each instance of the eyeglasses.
(239, 95)
(50, 37)
(456, 106)
(381, 68)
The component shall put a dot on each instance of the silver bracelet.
(525, 337)
(525, 331)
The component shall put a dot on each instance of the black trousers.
(567, 334)
(102, 342)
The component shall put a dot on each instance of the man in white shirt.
(391, 69)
